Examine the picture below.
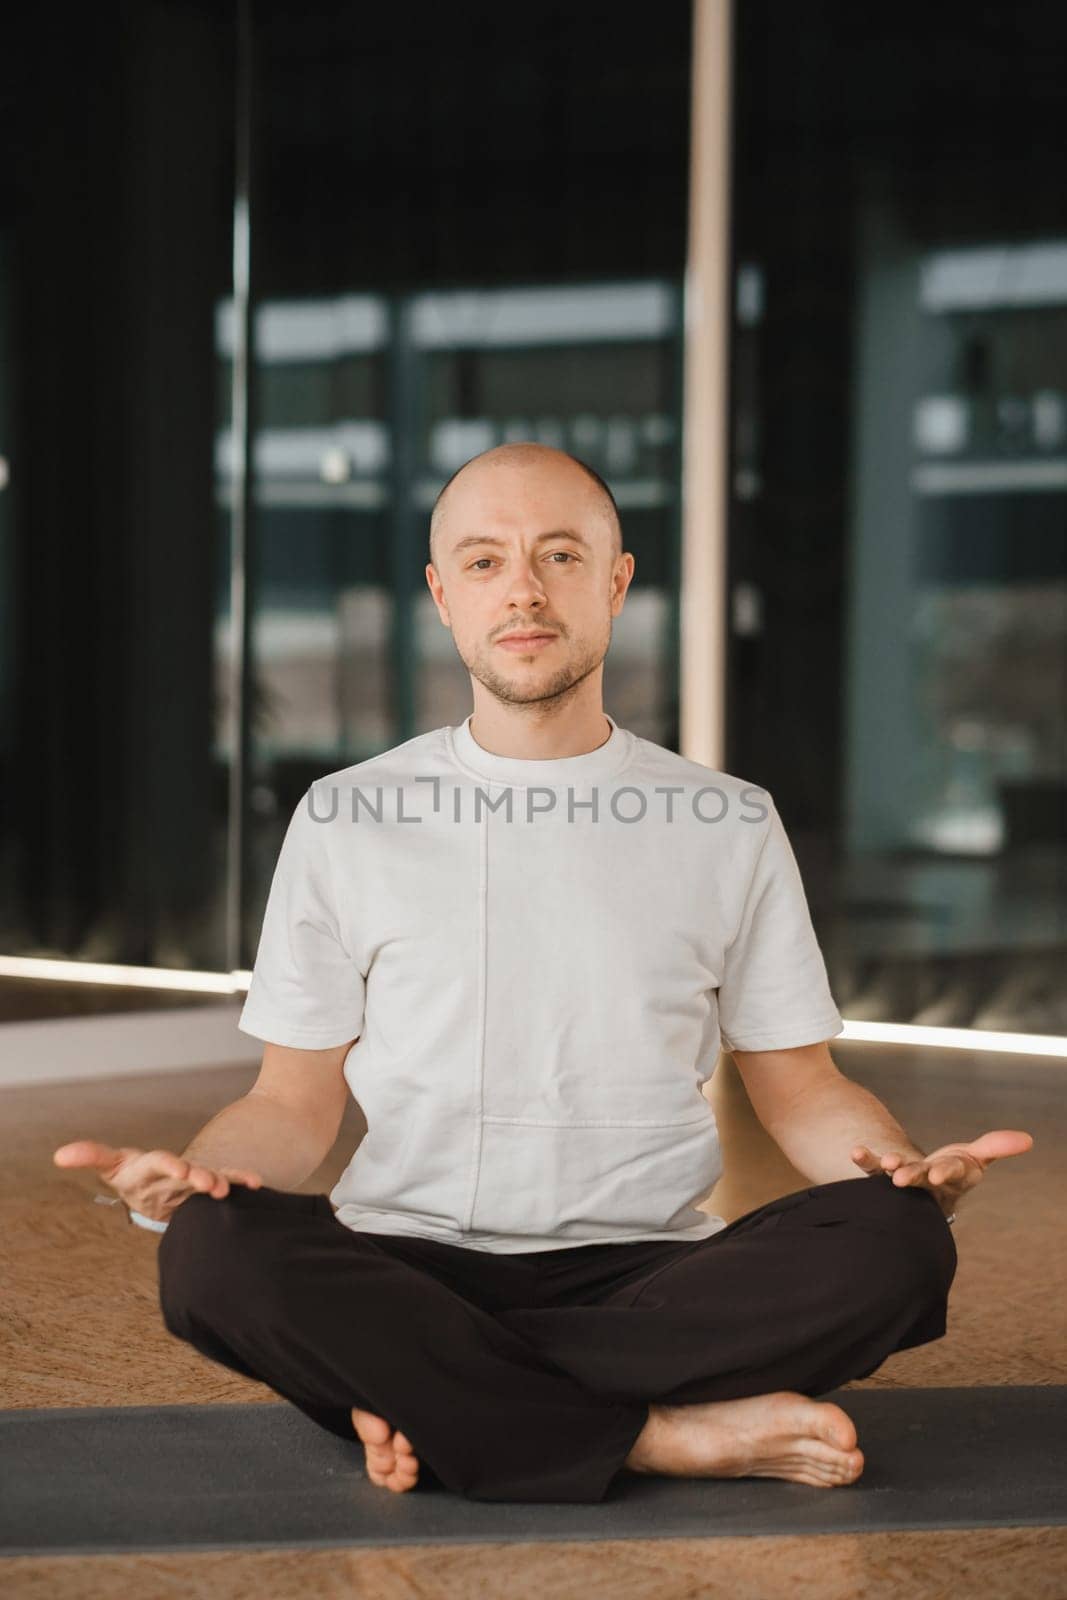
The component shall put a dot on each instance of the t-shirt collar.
(589, 767)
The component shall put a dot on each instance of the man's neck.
(548, 741)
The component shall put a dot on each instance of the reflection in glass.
(338, 624)
(899, 538)
(589, 369)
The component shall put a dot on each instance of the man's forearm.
(826, 1121)
(264, 1135)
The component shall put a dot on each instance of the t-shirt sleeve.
(306, 989)
(775, 993)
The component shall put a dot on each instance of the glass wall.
(465, 230)
(471, 227)
(466, 226)
(347, 662)
(116, 207)
(899, 582)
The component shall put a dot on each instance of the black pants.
(528, 1377)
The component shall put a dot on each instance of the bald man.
(521, 944)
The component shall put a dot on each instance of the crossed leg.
(704, 1364)
(841, 1276)
(782, 1435)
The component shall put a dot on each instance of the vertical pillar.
(705, 422)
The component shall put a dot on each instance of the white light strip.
(124, 977)
(911, 1033)
(328, 330)
(994, 275)
(576, 314)
(986, 477)
(309, 330)
(907, 1033)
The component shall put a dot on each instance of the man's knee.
(916, 1244)
(202, 1257)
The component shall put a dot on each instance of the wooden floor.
(80, 1326)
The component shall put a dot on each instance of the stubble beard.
(534, 688)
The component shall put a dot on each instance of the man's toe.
(391, 1460)
(372, 1429)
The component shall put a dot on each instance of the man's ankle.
(645, 1447)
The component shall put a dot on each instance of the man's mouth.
(519, 642)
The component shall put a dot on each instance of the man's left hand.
(948, 1172)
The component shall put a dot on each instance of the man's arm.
(277, 1133)
(814, 1113)
(285, 1126)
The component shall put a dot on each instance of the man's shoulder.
(655, 764)
(422, 755)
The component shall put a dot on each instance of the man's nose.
(526, 587)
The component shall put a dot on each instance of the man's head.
(526, 538)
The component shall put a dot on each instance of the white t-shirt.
(541, 961)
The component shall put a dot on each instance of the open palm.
(949, 1171)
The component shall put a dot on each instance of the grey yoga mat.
(229, 1476)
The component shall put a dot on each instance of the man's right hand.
(153, 1182)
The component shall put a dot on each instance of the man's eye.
(484, 560)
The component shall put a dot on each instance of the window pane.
(899, 656)
(116, 205)
(466, 230)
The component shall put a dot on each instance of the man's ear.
(433, 581)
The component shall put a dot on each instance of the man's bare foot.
(391, 1462)
(780, 1435)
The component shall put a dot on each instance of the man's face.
(528, 548)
